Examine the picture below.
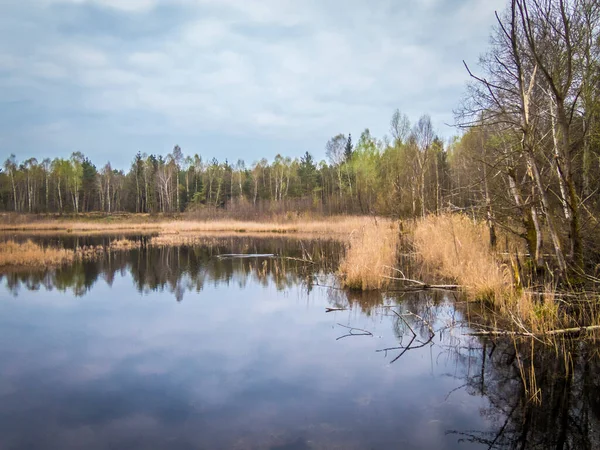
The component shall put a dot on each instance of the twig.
(422, 320)
(421, 285)
(405, 322)
(291, 258)
(414, 337)
(352, 329)
(246, 255)
(574, 330)
(328, 310)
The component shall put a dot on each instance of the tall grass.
(458, 248)
(370, 256)
(29, 254)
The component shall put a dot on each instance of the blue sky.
(226, 78)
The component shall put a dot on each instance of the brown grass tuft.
(458, 248)
(29, 254)
(124, 244)
(371, 253)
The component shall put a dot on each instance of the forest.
(526, 158)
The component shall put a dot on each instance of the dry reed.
(124, 244)
(370, 256)
(332, 226)
(458, 248)
(29, 254)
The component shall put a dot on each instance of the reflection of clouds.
(117, 367)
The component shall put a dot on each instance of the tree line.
(405, 174)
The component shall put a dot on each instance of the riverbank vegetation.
(287, 224)
(28, 254)
(370, 256)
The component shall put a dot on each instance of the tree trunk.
(12, 179)
(560, 258)
(60, 202)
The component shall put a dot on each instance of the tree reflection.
(538, 397)
(181, 269)
(566, 413)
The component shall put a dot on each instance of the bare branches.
(354, 332)
(410, 346)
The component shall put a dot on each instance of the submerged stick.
(246, 255)
(424, 286)
(352, 333)
(573, 330)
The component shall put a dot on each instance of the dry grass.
(458, 248)
(29, 254)
(332, 226)
(124, 244)
(370, 255)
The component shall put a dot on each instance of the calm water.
(177, 348)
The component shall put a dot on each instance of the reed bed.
(370, 256)
(124, 244)
(28, 254)
(457, 248)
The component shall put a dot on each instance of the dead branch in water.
(562, 331)
(424, 286)
(245, 255)
(414, 337)
(419, 284)
(328, 310)
(291, 258)
(352, 333)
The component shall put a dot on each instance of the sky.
(227, 78)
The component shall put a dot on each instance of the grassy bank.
(143, 223)
(456, 248)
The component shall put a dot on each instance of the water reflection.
(186, 268)
(250, 360)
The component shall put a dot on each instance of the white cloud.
(123, 5)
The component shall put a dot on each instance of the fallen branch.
(328, 310)
(291, 258)
(422, 320)
(413, 339)
(246, 255)
(562, 331)
(419, 284)
(352, 333)
(424, 286)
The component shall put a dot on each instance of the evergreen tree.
(348, 150)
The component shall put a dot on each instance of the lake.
(183, 348)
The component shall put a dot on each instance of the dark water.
(176, 348)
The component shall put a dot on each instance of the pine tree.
(348, 150)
